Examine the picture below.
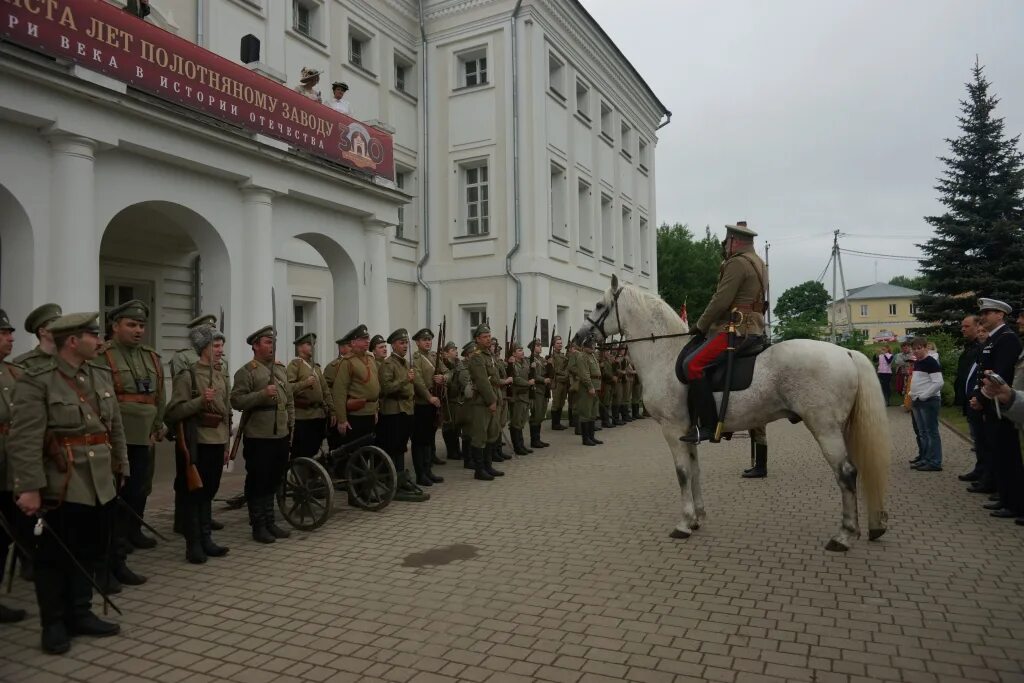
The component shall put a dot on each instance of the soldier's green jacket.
(269, 417)
(357, 376)
(58, 400)
(538, 372)
(331, 370)
(313, 402)
(609, 373)
(741, 282)
(586, 372)
(33, 358)
(423, 364)
(9, 373)
(559, 368)
(456, 378)
(128, 365)
(187, 402)
(483, 372)
(396, 389)
(521, 381)
(183, 359)
(571, 359)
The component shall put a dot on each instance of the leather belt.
(148, 399)
(748, 308)
(83, 440)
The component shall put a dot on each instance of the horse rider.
(741, 287)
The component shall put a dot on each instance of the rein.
(599, 326)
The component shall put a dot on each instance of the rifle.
(508, 349)
(536, 319)
(435, 390)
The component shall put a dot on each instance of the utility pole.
(768, 293)
(835, 301)
(842, 283)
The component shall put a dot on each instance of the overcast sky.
(804, 117)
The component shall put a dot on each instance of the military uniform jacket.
(586, 371)
(456, 380)
(187, 402)
(609, 372)
(9, 374)
(141, 411)
(33, 358)
(311, 403)
(502, 368)
(521, 381)
(396, 389)
(266, 417)
(559, 368)
(741, 281)
(331, 371)
(483, 373)
(67, 419)
(424, 367)
(358, 377)
(571, 359)
(1000, 356)
(538, 371)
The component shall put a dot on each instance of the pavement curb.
(949, 425)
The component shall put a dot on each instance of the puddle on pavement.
(435, 557)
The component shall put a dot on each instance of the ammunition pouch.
(210, 419)
(355, 404)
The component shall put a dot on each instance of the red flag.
(682, 314)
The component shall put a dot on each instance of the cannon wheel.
(371, 478)
(306, 497)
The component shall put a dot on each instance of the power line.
(872, 254)
(825, 269)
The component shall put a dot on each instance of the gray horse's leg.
(698, 495)
(681, 455)
(834, 448)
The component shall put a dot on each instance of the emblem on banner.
(359, 147)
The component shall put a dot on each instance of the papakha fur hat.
(202, 336)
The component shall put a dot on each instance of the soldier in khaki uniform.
(187, 357)
(9, 373)
(606, 393)
(261, 391)
(396, 411)
(334, 438)
(587, 376)
(484, 432)
(35, 324)
(538, 393)
(427, 385)
(558, 372)
(356, 389)
(314, 405)
(519, 408)
(741, 287)
(571, 356)
(379, 349)
(460, 391)
(200, 416)
(138, 376)
(626, 383)
(65, 447)
(450, 404)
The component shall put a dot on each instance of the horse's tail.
(868, 443)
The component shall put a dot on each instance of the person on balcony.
(339, 103)
(308, 78)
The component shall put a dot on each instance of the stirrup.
(693, 436)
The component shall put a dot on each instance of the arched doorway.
(17, 264)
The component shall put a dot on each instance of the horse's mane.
(654, 308)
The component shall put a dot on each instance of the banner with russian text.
(101, 37)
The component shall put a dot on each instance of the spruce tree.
(978, 248)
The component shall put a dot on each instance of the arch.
(344, 303)
(17, 261)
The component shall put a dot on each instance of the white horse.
(833, 390)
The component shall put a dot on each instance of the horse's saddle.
(743, 362)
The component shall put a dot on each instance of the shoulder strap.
(159, 372)
(757, 272)
(118, 386)
(195, 385)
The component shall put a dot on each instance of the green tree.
(978, 248)
(909, 281)
(802, 311)
(687, 267)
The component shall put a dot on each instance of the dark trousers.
(885, 380)
(1001, 442)
(424, 425)
(981, 461)
(393, 436)
(361, 426)
(266, 461)
(19, 523)
(309, 436)
(140, 460)
(209, 462)
(62, 590)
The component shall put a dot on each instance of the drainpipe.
(517, 220)
(424, 166)
(200, 24)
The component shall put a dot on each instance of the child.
(926, 398)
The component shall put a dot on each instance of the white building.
(111, 190)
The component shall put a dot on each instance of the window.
(303, 317)
(915, 309)
(359, 52)
(585, 217)
(403, 74)
(606, 122)
(118, 291)
(607, 234)
(627, 237)
(401, 180)
(892, 309)
(473, 315)
(300, 321)
(642, 158)
(306, 18)
(559, 225)
(626, 139)
(472, 68)
(863, 310)
(476, 196)
(645, 247)
(556, 76)
(582, 99)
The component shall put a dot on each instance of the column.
(74, 236)
(253, 271)
(374, 311)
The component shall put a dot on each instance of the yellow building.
(880, 310)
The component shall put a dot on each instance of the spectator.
(932, 351)
(339, 103)
(1000, 438)
(899, 367)
(925, 395)
(967, 366)
(883, 362)
(308, 78)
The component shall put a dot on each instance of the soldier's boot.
(429, 460)
(574, 420)
(535, 441)
(594, 441)
(500, 455)
(476, 455)
(760, 468)
(636, 412)
(179, 511)
(453, 450)
(123, 573)
(206, 528)
(489, 452)
(701, 404)
(9, 615)
(135, 535)
(81, 621)
(606, 421)
(260, 533)
(190, 519)
(588, 439)
(624, 413)
(467, 454)
(25, 565)
(236, 502)
(271, 523)
(105, 578)
(518, 447)
(419, 455)
(434, 459)
(407, 491)
(556, 421)
(577, 429)
(215, 525)
(615, 415)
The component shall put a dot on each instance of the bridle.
(598, 325)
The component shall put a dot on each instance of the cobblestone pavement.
(564, 571)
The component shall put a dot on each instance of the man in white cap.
(999, 435)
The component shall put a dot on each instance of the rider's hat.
(739, 228)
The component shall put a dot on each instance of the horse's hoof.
(875, 534)
(678, 533)
(836, 546)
